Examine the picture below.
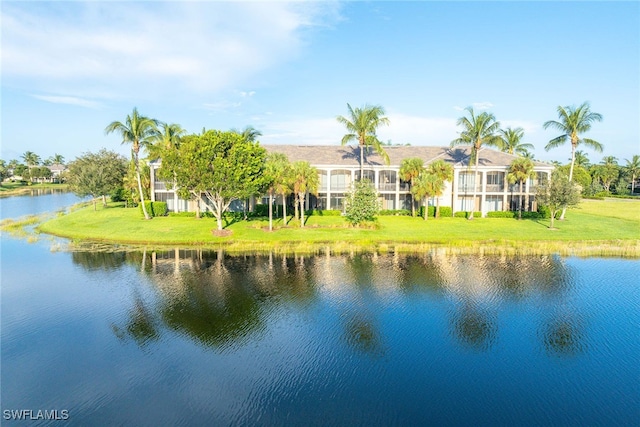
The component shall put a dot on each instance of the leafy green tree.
(140, 132)
(362, 203)
(221, 166)
(96, 174)
(276, 174)
(21, 171)
(632, 170)
(572, 123)
(362, 125)
(520, 170)
(510, 141)
(606, 173)
(427, 185)
(581, 176)
(410, 169)
(4, 171)
(477, 130)
(558, 193)
(444, 172)
(130, 184)
(305, 180)
(40, 172)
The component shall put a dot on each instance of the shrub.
(464, 214)
(446, 211)
(183, 214)
(431, 212)
(396, 212)
(260, 210)
(154, 208)
(544, 211)
(159, 208)
(531, 215)
(362, 203)
(502, 214)
(118, 195)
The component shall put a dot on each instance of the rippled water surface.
(203, 338)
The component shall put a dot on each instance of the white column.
(454, 190)
(328, 188)
(397, 189)
(483, 193)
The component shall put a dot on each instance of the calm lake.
(204, 338)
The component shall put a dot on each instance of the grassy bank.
(594, 228)
(17, 188)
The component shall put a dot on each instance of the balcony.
(495, 188)
(389, 186)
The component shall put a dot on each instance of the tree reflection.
(99, 260)
(474, 329)
(141, 325)
(563, 337)
(362, 335)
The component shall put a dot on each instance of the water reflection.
(223, 302)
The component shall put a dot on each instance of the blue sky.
(288, 69)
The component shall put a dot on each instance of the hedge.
(464, 214)
(502, 214)
(396, 212)
(155, 208)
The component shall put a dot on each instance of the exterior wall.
(493, 192)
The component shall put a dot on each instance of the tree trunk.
(295, 206)
(413, 201)
(144, 209)
(475, 187)
(573, 160)
(104, 200)
(219, 221)
(361, 160)
(270, 211)
(301, 197)
(426, 208)
(437, 214)
(633, 184)
(520, 202)
(553, 216)
(284, 210)
(94, 204)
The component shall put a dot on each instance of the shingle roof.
(350, 156)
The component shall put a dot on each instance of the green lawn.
(594, 224)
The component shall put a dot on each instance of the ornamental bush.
(465, 214)
(362, 203)
(395, 212)
(446, 211)
(501, 214)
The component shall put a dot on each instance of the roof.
(336, 155)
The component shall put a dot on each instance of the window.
(367, 173)
(340, 180)
(495, 181)
(389, 201)
(466, 181)
(493, 203)
(387, 181)
(337, 201)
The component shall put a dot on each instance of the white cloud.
(144, 48)
(476, 106)
(327, 131)
(69, 100)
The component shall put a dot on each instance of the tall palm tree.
(510, 141)
(58, 159)
(425, 186)
(444, 172)
(477, 130)
(139, 131)
(572, 123)
(410, 169)
(632, 169)
(249, 133)
(520, 170)
(305, 180)
(362, 124)
(31, 159)
(276, 168)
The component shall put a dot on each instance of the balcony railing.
(494, 188)
(467, 188)
(387, 187)
(159, 185)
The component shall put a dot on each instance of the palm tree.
(632, 169)
(573, 122)
(139, 131)
(57, 159)
(31, 159)
(276, 172)
(581, 159)
(510, 141)
(167, 138)
(362, 125)
(249, 133)
(427, 185)
(477, 130)
(520, 170)
(410, 169)
(444, 172)
(305, 180)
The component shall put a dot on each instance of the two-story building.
(339, 166)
